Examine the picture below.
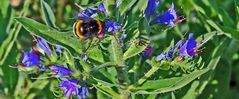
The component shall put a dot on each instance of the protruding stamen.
(180, 19)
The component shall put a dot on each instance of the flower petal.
(151, 7)
(30, 59)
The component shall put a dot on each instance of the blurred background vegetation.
(203, 16)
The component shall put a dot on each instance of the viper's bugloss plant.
(109, 51)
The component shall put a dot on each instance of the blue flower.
(179, 44)
(59, 48)
(60, 71)
(119, 2)
(101, 7)
(189, 47)
(87, 14)
(148, 51)
(42, 44)
(160, 57)
(169, 55)
(151, 7)
(83, 91)
(84, 57)
(167, 18)
(42, 68)
(30, 58)
(112, 26)
(69, 86)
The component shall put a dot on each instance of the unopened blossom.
(160, 57)
(87, 14)
(169, 54)
(112, 26)
(59, 49)
(60, 71)
(42, 44)
(101, 7)
(83, 91)
(147, 51)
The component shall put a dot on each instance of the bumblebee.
(88, 29)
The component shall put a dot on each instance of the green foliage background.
(221, 17)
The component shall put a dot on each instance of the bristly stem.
(117, 56)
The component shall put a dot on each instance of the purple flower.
(151, 7)
(167, 18)
(59, 48)
(42, 44)
(169, 55)
(112, 26)
(69, 86)
(189, 47)
(160, 57)
(148, 51)
(101, 7)
(83, 91)
(31, 58)
(60, 71)
(87, 14)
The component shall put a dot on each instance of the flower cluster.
(33, 58)
(183, 48)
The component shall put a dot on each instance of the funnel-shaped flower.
(167, 18)
(151, 7)
(69, 86)
(60, 71)
(31, 58)
(189, 47)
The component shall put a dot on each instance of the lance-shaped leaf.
(48, 14)
(171, 84)
(126, 5)
(66, 39)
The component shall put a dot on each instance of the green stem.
(123, 80)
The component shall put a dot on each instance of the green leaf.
(4, 7)
(126, 5)
(170, 84)
(96, 54)
(116, 52)
(227, 20)
(110, 6)
(219, 85)
(66, 39)
(214, 25)
(48, 14)
(107, 91)
(191, 94)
